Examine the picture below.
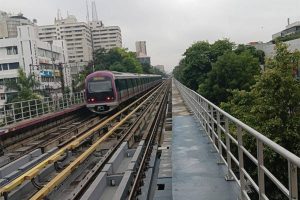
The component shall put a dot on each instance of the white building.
(9, 24)
(77, 36)
(141, 50)
(106, 37)
(290, 29)
(160, 67)
(40, 59)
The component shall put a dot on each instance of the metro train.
(106, 90)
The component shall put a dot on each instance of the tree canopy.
(272, 107)
(23, 88)
(197, 62)
(117, 59)
(215, 69)
(230, 71)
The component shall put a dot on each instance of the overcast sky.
(171, 26)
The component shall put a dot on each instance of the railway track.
(84, 151)
(47, 139)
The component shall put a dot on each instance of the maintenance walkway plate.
(196, 174)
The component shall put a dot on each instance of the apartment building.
(9, 24)
(81, 38)
(141, 50)
(106, 37)
(37, 58)
(77, 36)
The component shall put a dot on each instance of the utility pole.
(53, 66)
(62, 80)
(92, 43)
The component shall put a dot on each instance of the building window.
(4, 67)
(2, 96)
(12, 50)
(14, 65)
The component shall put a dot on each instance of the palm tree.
(24, 87)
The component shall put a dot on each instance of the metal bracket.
(228, 177)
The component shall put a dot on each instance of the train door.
(124, 90)
(129, 87)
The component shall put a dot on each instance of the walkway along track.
(74, 145)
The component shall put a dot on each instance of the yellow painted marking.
(35, 170)
(69, 169)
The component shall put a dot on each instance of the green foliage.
(230, 71)
(117, 59)
(254, 52)
(272, 107)
(197, 61)
(24, 87)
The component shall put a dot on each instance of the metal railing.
(225, 132)
(18, 111)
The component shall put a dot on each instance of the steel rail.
(204, 109)
(70, 168)
(151, 137)
(56, 156)
(125, 137)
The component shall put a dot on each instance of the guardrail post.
(13, 110)
(212, 125)
(36, 107)
(203, 113)
(293, 182)
(228, 177)
(22, 110)
(220, 161)
(198, 109)
(43, 109)
(207, 119)
(241, 160)
(4, 113)
(261, 174)
(29, 109)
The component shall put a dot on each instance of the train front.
(100, 89)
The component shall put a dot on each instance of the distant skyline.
(169, 27)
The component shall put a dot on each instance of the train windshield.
(100, 84)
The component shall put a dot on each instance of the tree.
(117, 59)
(231, 71)
(253, 51)
(147, 68)
(197, 61)
(220, 47)
(24, 87)
(272, 107)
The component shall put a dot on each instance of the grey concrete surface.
(196, 174)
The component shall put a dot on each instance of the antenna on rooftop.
(87, 12)
(94, 12)
(58, 14)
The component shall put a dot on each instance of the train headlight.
(92, 99)
(109, 98)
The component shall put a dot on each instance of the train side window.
(123, 85)
(129, 83)
(118, 84)
(133, 82)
